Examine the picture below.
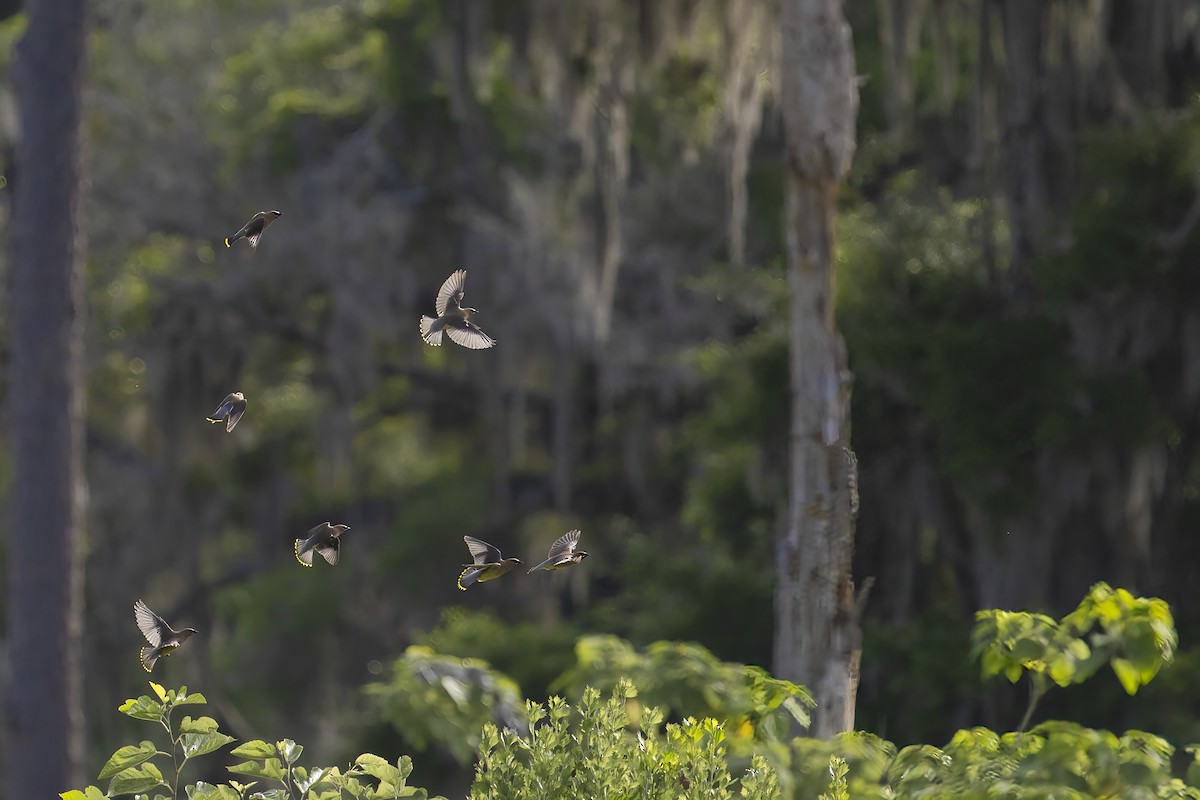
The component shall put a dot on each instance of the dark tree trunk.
(44, 713)
(816, 627)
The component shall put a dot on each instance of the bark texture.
(43, 712)
(817, 635)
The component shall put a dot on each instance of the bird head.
(274, 214)
(185, 633)
(238, 396)
(581, 554)
(338, 530)
(512, 561)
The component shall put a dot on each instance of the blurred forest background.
(1017, 286)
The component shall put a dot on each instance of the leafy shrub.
(133, 772)
(603, 750)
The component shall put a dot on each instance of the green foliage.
(1137, 185)
(1055, 759)
(1134, 635)
(603, 749)
(430, 698)
(132, 772)
(319, 66)
(839, 787)
(686, 679)
(533, 655)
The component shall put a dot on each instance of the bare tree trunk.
(44, 716)
(816, 633)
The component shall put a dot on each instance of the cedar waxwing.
(488, 563)
(563, 552)
(454, 318)
(326, 539)
(252, 231)
(230, 410)
(161, 636)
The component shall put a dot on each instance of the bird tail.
(467, 577)
(428, 334)
(227, 244)
(539, 566)
(214, 421)
(305, 556)
(149, 656)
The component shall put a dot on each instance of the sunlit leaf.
(270, 768)
(289, 750)
(198, 725)
(1127, 674)
(128, 756)
(142, 708)
(136, 780)
(198, 744)
(255, 748)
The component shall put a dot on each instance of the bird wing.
(564, 546)
(470, 336)
(222, 410)
(235, 413)
(330, 550)
(152, 626)
(453, 289)
(482, 552)
(253, 240)
(324, 528)
(245, 229)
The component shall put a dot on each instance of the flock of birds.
(487, 562)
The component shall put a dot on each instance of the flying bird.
(563, 553)
(325, 539)
(488, 563)
(252, 231)
(162, 637)
(453, 318)
(230, 411)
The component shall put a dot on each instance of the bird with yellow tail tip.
(325, 539)
(253, 230)
(487, 565)
(162, 637)
(563, 552)
(230, 411)
(453, 318)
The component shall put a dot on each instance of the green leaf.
(207, 791)
(199, 725)
(136, 780)
(90, 793)
(289, 750)
(271, 794)
(185, 699)
(255, 748)
(270, 768)
(198, 744)
(1127, 674)
(128, 756)
(142, 708)
(160, 691)
(379, 768)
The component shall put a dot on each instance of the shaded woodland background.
(1017, 289)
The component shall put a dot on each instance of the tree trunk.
(817, 634)
(44, 718)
